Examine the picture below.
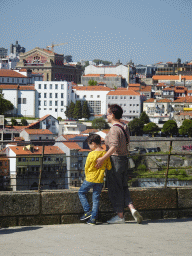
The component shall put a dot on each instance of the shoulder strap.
(123, 131)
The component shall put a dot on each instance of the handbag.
(131, 163)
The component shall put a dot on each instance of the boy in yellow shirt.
(94, 178)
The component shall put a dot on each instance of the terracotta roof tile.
(89, 131)
(10, 73)
(157, 101)
(187, 99)
(72, 145)
(17, 87)
(131, 85)
(123, 92)
(38, 131)
(48, 150)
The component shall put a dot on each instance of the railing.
(40, 172)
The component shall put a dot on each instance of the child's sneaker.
(91, 222)
(85, 216)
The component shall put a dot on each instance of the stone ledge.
(184, 197)
(14, 204)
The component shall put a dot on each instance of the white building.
(72, 127)
(22, 97)
(129, 100)
(154, 107)
(95, 97)
(52, 97)
(115, 69)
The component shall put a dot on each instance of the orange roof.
(48, 51)
(41, 119)
(158, 101)
(17, 87)
(168, 89)
(171, 77)
(185, 113)
(146, 89)
(91, 88)
(134, 88)
(187, 99)
(23, 70)
(89, 131)
(130, 85)
(38, 150)
(38, 131)
(72, 145)
(123, 92)
(71, 136)
(10, 73)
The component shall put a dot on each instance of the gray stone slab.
(184, 197)
(19, 203)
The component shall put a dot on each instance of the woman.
(117, 177)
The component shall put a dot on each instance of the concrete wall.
(63, 206)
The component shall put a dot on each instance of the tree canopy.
(186, 128)
(77, 113)
(104, 62)
(5, 105)
(69, 110)
(144, 118)
(170, 127)
(100, 123)
(85, 110)
(92, 82)
(136, 126)
(151, 128)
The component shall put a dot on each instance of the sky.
(144, 31)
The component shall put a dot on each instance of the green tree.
(136, 126)
(170, 127)
(59, 118)
(144, 118)
(92, 82)
(85, 110)
(69, 110)
(186, 128)
(151, 128)
(100, 123)
(5, 105)
(77, 113)
(13, 121)
(24, 121)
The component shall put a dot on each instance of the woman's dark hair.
(94, 138)
(116, 110)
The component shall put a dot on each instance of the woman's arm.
(101, 160)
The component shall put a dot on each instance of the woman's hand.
(99, 162)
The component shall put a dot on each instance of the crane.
(53, 45)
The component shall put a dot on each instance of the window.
(19, 159)
(124, 97)
(24, 159)
(56, 86)
(44, 158)
(7, 79)
(137, 105)
(50, 86)
(112, 97)
(134, 97)
(91, 96)
(130, 105)
(62, 95)
(50, 108)
(56, 103)
(62, 103)
(39, 103)
(55, 109)
(45, 103)
(133, 105)
(115, 97)
(121, 97)
(33, 159)
(39, 95)
(45, 95)
(53, 123)
(39, 86)
(61, 110)
(98, 96)
(77, 96)
(50, 103)
(37, 158)
(22, 101)
(12, 80)
(84, 96)
(56, 95)
(62, 86)
(124, 104)
(50, 95)
(130, 97)
(45, 86)
(109, 97)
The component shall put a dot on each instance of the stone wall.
(63, 206)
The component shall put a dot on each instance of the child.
(93, 179)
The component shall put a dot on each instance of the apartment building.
(52, 97)
(129, 100)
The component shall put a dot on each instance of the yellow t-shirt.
(92, 174)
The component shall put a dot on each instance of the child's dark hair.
(116, 110)
(94, 138)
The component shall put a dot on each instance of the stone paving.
(161, 237)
